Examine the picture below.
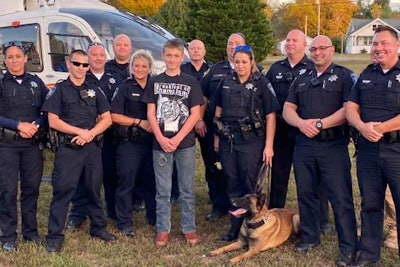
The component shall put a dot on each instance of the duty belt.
(330, 134)
(392, 137)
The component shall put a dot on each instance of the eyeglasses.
(320, 48)
(94, 44)
(77, 64)
(245, 48)
(14, 43)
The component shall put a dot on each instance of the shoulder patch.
(354, 77)
(115, 93)
(50, 92)
(271, 89)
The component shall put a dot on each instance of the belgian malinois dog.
(262, 228)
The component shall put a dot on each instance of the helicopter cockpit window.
(63, 38)
(29, 36)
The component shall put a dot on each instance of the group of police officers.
(317, 101)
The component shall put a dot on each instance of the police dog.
(262, 228)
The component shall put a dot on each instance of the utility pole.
(318, 3)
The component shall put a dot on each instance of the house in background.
(360, 33)
(281, 45)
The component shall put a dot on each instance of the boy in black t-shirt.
(173, 108)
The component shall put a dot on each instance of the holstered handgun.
(53, 139)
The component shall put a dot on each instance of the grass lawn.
(80, 250)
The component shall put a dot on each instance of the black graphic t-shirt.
(174, 97)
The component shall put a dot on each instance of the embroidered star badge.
(91, 93)
(302, 71)
(333, 78)
(279, 75)
(111, 80)
(398, 77)
(249, 86)
(34, 84)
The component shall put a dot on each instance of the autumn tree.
(334, 16)
(139, 7)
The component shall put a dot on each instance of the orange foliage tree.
(139, 7)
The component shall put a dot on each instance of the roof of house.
(357, 24)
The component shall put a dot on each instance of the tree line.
(263, 24)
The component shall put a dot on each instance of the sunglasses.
(78, 64)
(14, 43)
(244, 48)
(94, 44)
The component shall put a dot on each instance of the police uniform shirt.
(107, 83)
(377, 93)
(191, 70)
(236, 99)
(281, 75)
(211, 81)
(319, 97)
(76, 105)
(174, 97)
(127, 100)
(21, 99)
(119, 71)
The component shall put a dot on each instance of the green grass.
(81, 251)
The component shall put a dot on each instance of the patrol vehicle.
(50, 29)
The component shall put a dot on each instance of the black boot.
(233, 233)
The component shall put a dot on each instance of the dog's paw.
(209, 254)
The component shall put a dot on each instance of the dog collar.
(254, 225)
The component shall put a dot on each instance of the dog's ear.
(253, 199)
(261, 201)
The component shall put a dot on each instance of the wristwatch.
(319, 125)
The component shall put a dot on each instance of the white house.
(281, 45)
(360, 32)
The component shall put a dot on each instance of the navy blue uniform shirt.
(191, 70)
(128, 100)
(77, 105)
(21, 101)
(119, 71)
(240, 100)
(319, 97)
(377, 93)
(107, 83)
(281, 75)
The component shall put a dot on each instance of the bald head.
(234, 40)
(197, 50)
(322, 52)
(295, 45)
(122, 48)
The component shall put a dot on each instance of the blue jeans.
(163, 166)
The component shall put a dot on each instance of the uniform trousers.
(241, 161)
(378, 165)
(134, 161)
(325, 162)
(71, 165)
(25, 163)
(216, 181)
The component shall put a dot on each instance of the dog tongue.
(238, 213)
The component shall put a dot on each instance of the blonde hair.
(141, 53)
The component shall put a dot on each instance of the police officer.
(98, 77)
(217, 183)
(315, 107)
(373, 108)
(197, 67)
(119, 66)
(281, 74)
(21, 122)
(79, 113)
(245, 110)
(134, 153)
